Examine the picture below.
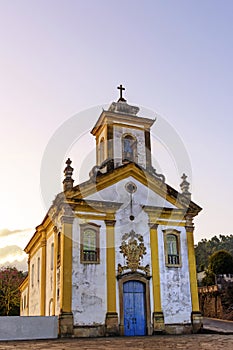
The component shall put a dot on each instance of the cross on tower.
(121, 88)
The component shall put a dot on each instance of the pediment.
(151, 190)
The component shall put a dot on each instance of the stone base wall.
(178, 329)
(89, 331)
(211, 305)
(102, 331)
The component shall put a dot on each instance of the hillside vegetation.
(205, 248)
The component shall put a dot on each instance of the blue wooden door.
(134, 308)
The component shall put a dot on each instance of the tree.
(205, 248)
(10, 279)
(209, 278)
(221, 262)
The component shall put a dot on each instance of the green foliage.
(10, 279)
(205, 248)
(209, 279)
(221, 262)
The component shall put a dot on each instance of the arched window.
(52, 256)
(38, 270)
(89, 243)
(129, 148)
(58, 249)
(172, 247)
(32, 276)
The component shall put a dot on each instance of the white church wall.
(34, 285)
(143, 196)
(175, 286)
(89, 302)
(24, 302)
(175, 282)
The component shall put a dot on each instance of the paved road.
(220, 326)
(192, 342)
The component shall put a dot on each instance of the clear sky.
(60, 57)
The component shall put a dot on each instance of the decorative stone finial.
(68, 181)
(185, 186)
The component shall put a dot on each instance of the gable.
(143, 195)
(152, 182)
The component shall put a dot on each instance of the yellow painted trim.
(108, 117)
(91, 217)
(121, 173)
(29, 282)
(155, 267)
(110, 258)
(54, 274)
(23, 285)
(43, 274)
(66, 267)
(192, 269)
(170, 223)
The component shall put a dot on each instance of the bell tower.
(122, 136)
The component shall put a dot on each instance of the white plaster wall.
(58, 287)
(143, 196)
(23, 305)
(118, 131)
(175, 285)
(89, 302)
(49, 277)
(175, 282)
(34, 291)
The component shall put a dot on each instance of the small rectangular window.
(89, 243)
(172, 248)
(58, 249)
(38, 270)
(32, 276)
(52, 255)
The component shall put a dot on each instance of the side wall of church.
(49, 276)
(118, 132)
(24, 302)
(175, 282)
(89, 302)
(34, 284)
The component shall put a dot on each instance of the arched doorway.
(135, 315)
(134, 308)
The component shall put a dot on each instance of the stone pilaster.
(43, 245)
(197, 321)
(196, 316)
(66, 324)
(158, 322)
(158, 319)
(54, 271)
(66, 315)
(111, 320)
(111, 324)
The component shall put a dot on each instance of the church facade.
(115, 255)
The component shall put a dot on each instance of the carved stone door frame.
(146, 281)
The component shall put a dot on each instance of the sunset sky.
(61, 62)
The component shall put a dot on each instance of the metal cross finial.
(184, 177)
(121, 88)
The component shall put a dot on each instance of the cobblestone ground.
(200, 342)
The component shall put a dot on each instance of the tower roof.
(122, 113)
